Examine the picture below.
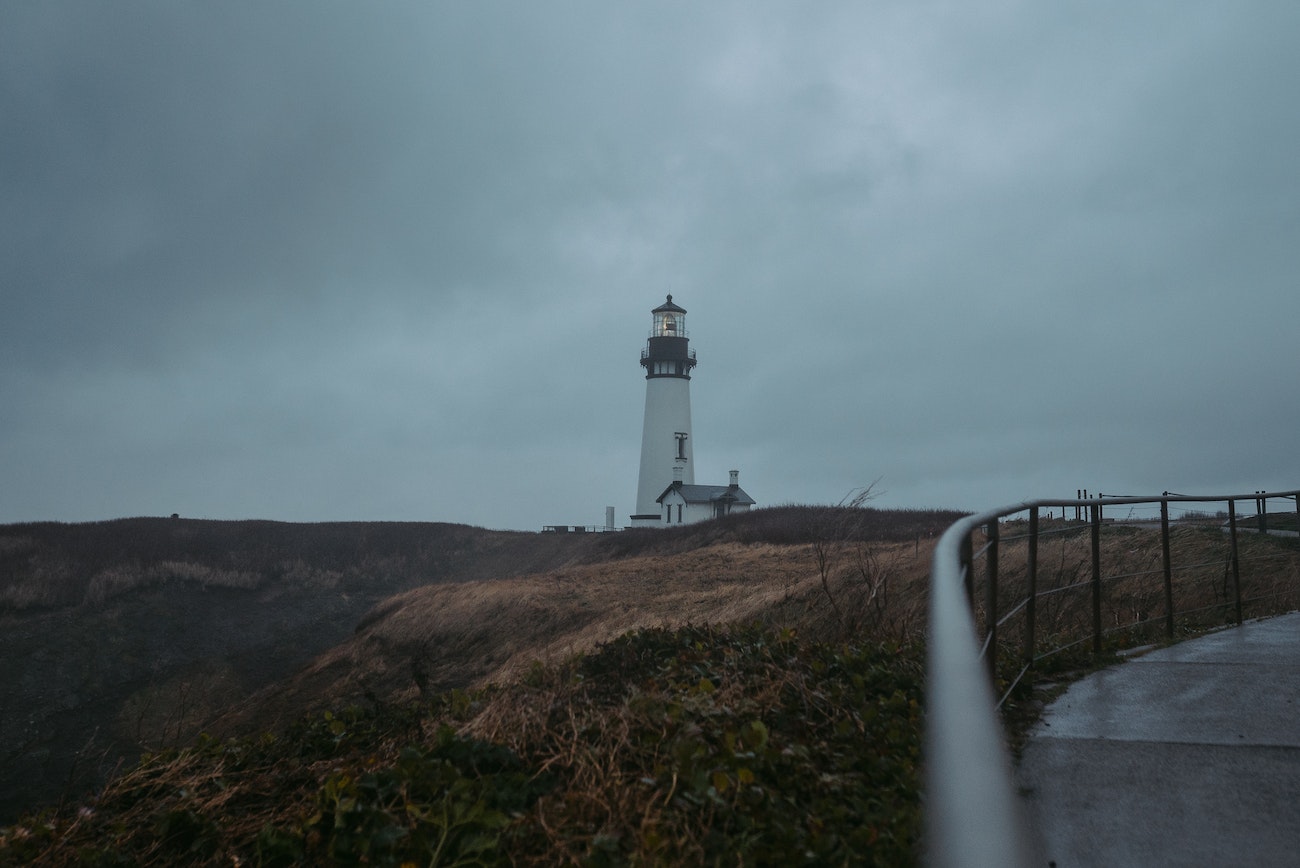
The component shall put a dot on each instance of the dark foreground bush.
(735, 746)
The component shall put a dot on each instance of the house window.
(679, 513)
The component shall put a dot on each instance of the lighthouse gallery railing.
(972, 814)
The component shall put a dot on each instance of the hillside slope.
(136, 634)
(466, 635)
(785, 718)
(129, 634)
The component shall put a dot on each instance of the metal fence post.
(1236, 563)
(1169, 569)
(991, 600)
(1031, 592)
(1095, 510)
(967, 557)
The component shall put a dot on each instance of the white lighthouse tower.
(667, 454)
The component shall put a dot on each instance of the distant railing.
(972, 814)
(577, 528)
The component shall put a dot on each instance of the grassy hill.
(744, 688)
(135, 635)
(128, 635)
(690, 746)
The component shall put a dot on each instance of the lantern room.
(667, 353)
(670, 321)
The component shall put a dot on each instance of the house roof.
(708, 493)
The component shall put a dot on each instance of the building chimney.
(677, 474)
(735, 479)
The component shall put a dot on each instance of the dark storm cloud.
(346, 260)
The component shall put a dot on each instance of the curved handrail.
(973, 817)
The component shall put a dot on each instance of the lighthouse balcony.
(658, 363)
(668, 348)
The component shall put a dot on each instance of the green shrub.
(704, 745)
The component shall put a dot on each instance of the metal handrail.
(973, 817)
(690, 354)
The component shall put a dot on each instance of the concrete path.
(1187, 755)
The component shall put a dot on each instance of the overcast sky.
(342, 260)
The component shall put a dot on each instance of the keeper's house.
(683, 504)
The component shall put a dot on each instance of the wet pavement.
(1186, 755)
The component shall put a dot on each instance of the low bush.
(704, 745)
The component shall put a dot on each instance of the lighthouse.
(667, 450)
(666, 492)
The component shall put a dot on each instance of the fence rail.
(972, 814)
(577, 528)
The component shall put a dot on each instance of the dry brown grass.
(470, 634)
(699, 746)
(1133, 607)
(604, 730)
(473, 633)
(115, 581)
(146, 609)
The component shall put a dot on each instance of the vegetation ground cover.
(595, 725)
(701, 745)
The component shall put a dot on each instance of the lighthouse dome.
(669, 307)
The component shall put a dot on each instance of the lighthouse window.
(681, 445)
(670, 324)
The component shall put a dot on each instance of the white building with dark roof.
(683, 504)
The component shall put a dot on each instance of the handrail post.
(1169, 569)
(1031, 592)
(1236, 562)
(1095, 510)
(991, 601)
(967, 557)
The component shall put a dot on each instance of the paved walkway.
(1187, 755)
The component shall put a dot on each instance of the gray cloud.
(317, 261)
